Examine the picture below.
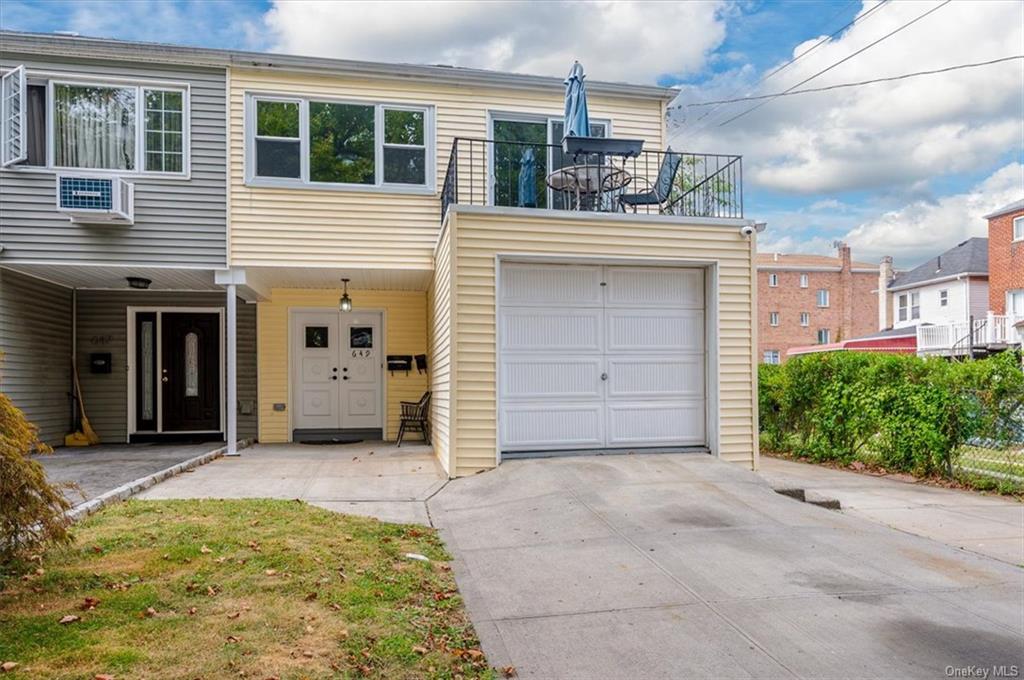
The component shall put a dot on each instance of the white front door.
(337, 373)
(596, 356)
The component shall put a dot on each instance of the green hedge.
(903, 412)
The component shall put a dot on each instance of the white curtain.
(95, 127)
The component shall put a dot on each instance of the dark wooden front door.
(190, 376)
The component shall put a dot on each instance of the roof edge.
(163, 53)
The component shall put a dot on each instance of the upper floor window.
(943, 298)
(773, 280)
(773, 318)
(94, 125)
(1018, 228)
(823, 297)
(805, 319)
(333, 143)
(804, 280)
(909, 306)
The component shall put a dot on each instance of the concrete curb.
(128, 490)
(786, 488)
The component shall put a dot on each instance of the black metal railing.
(543, 176)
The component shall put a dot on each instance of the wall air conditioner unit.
(96, 200)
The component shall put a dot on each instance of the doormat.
(332, 442)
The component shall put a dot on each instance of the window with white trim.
(1015, 303)
(771, 356)
(773, 318)
(805, 319)
(78, 123)
(804, 280)
(320, 142)
(823, 297)
(944, 298)
(908, 306)
(1018, 228)
(824, 336)
(773, 280)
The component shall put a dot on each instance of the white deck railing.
(958, 337)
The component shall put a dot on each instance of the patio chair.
(660, 192)
(414, 418)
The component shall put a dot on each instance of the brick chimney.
(884, 277)
(846, 286)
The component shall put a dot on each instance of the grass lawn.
(239, 589)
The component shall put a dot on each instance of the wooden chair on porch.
(414, 418)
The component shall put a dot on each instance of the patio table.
(588, 179)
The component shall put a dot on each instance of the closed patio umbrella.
(577, 121)
(527, 179)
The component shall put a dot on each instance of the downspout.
(74, 360)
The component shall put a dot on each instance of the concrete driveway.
(682, 566)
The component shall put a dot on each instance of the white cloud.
(922, 229)
(633, 41)
(888, 136)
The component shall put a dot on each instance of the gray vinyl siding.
(178, 222)
(35, 340)
(103, 327)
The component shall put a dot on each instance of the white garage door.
(594, 357)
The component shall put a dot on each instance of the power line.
(841, 61)
(857, 84)
(810, 49)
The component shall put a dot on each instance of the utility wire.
(857, 84)
(810, 49)
(841, 61)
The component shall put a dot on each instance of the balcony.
(993, 333)
(486, 172)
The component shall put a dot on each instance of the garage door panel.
(531, 378)
(680, 377)
(551, 330)
(655, 286)
(652, 330)
(547, 426)
(551, 285)
(655, 423)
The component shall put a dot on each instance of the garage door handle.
(604, 376)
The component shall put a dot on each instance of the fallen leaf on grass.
(221, 560)
(311, 596)
(308, 654)
(103, 676)
(335, 606)
(205, 550)
(254, 545)
(232, 638)
(211, 590)
(509, 672)
(69, 618)
(89, 604)
(191, 611)
(270, 572)
(309, 629)
(420, 649)
(8, 666)
(150, 612)
(97, 549)
(234, 615)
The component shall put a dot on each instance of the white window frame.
(773, 318)
(828, 336)
(771, 356)
(915, 306)
(14, 151)
(805, 319)
(827, 298)
(304, 182)
(1011, 296)
(1018, 228)
(902, 306)
(140, 87)
(805, 280)
(773, 280)
(944, 297)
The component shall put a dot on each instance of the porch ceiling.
(113, 277)
(330, 278)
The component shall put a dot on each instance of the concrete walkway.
(375, 479)
(989, 525)
(98, 469)
(683, 566)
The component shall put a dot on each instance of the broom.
(85, 436)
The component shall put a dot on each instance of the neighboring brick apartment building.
(809, 299)
(1006, 259)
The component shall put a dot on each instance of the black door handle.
(334, 377)
(344, 377)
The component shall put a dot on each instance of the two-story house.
(402, 229)
(812, 300)
(113, 221)
(1006, 260)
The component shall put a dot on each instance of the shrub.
(32, 511)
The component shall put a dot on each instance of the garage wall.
(478, 235)
(35, 341)
(439, 305)
(406, 321)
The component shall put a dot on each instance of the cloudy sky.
(905, 168)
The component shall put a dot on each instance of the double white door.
(337, 370)
(594, 357)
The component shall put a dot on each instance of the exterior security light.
(138, 282)
(345, 303)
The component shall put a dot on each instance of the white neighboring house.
(949, 288)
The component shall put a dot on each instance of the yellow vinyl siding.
(439, 305)
(476, 240)
(405, 318)
(363, 229)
